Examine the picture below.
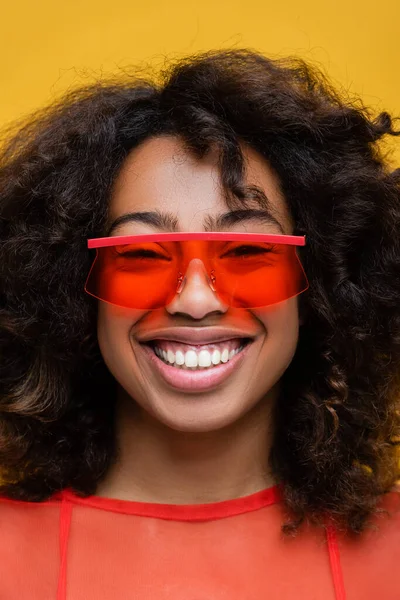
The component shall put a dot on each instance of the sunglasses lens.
(134, 276)
(259, 275)
(244, 274)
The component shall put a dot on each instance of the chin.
(203, 414)
(205, 424)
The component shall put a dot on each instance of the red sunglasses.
(245, 270)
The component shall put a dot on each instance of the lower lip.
(196, 380)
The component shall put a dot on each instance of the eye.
(141, 253)
(248, 251)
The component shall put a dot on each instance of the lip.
(195, 336)
(195, 381)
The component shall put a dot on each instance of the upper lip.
(194, 335)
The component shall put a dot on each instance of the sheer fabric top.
(71, 548)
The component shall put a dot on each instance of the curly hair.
(337, 421)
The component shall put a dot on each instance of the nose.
(196, 296)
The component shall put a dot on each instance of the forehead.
(161, 175)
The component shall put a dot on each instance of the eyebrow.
(156, 219)
(165, 221)
(233, 217)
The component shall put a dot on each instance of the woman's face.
(161, 177)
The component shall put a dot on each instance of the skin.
(176, 447)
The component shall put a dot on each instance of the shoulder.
(19, 520)
(22, 523)
(24, 508)
(29, 547)
(370, 562)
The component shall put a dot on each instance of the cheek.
(113, 332)
(281, 323)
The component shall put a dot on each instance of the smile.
(207, 356)
(198, 366)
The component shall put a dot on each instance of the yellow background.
(47, 47)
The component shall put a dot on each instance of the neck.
(158, 464)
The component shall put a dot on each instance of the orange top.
(70, 548)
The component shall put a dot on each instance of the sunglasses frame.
(292, 240)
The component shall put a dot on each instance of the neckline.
(179, 512)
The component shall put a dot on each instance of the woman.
(200, 341)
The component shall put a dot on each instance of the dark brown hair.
(336, 421)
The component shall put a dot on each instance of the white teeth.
(216, 357)
(192, 360)
(225, 355)
(204, 358)
(179, 358)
